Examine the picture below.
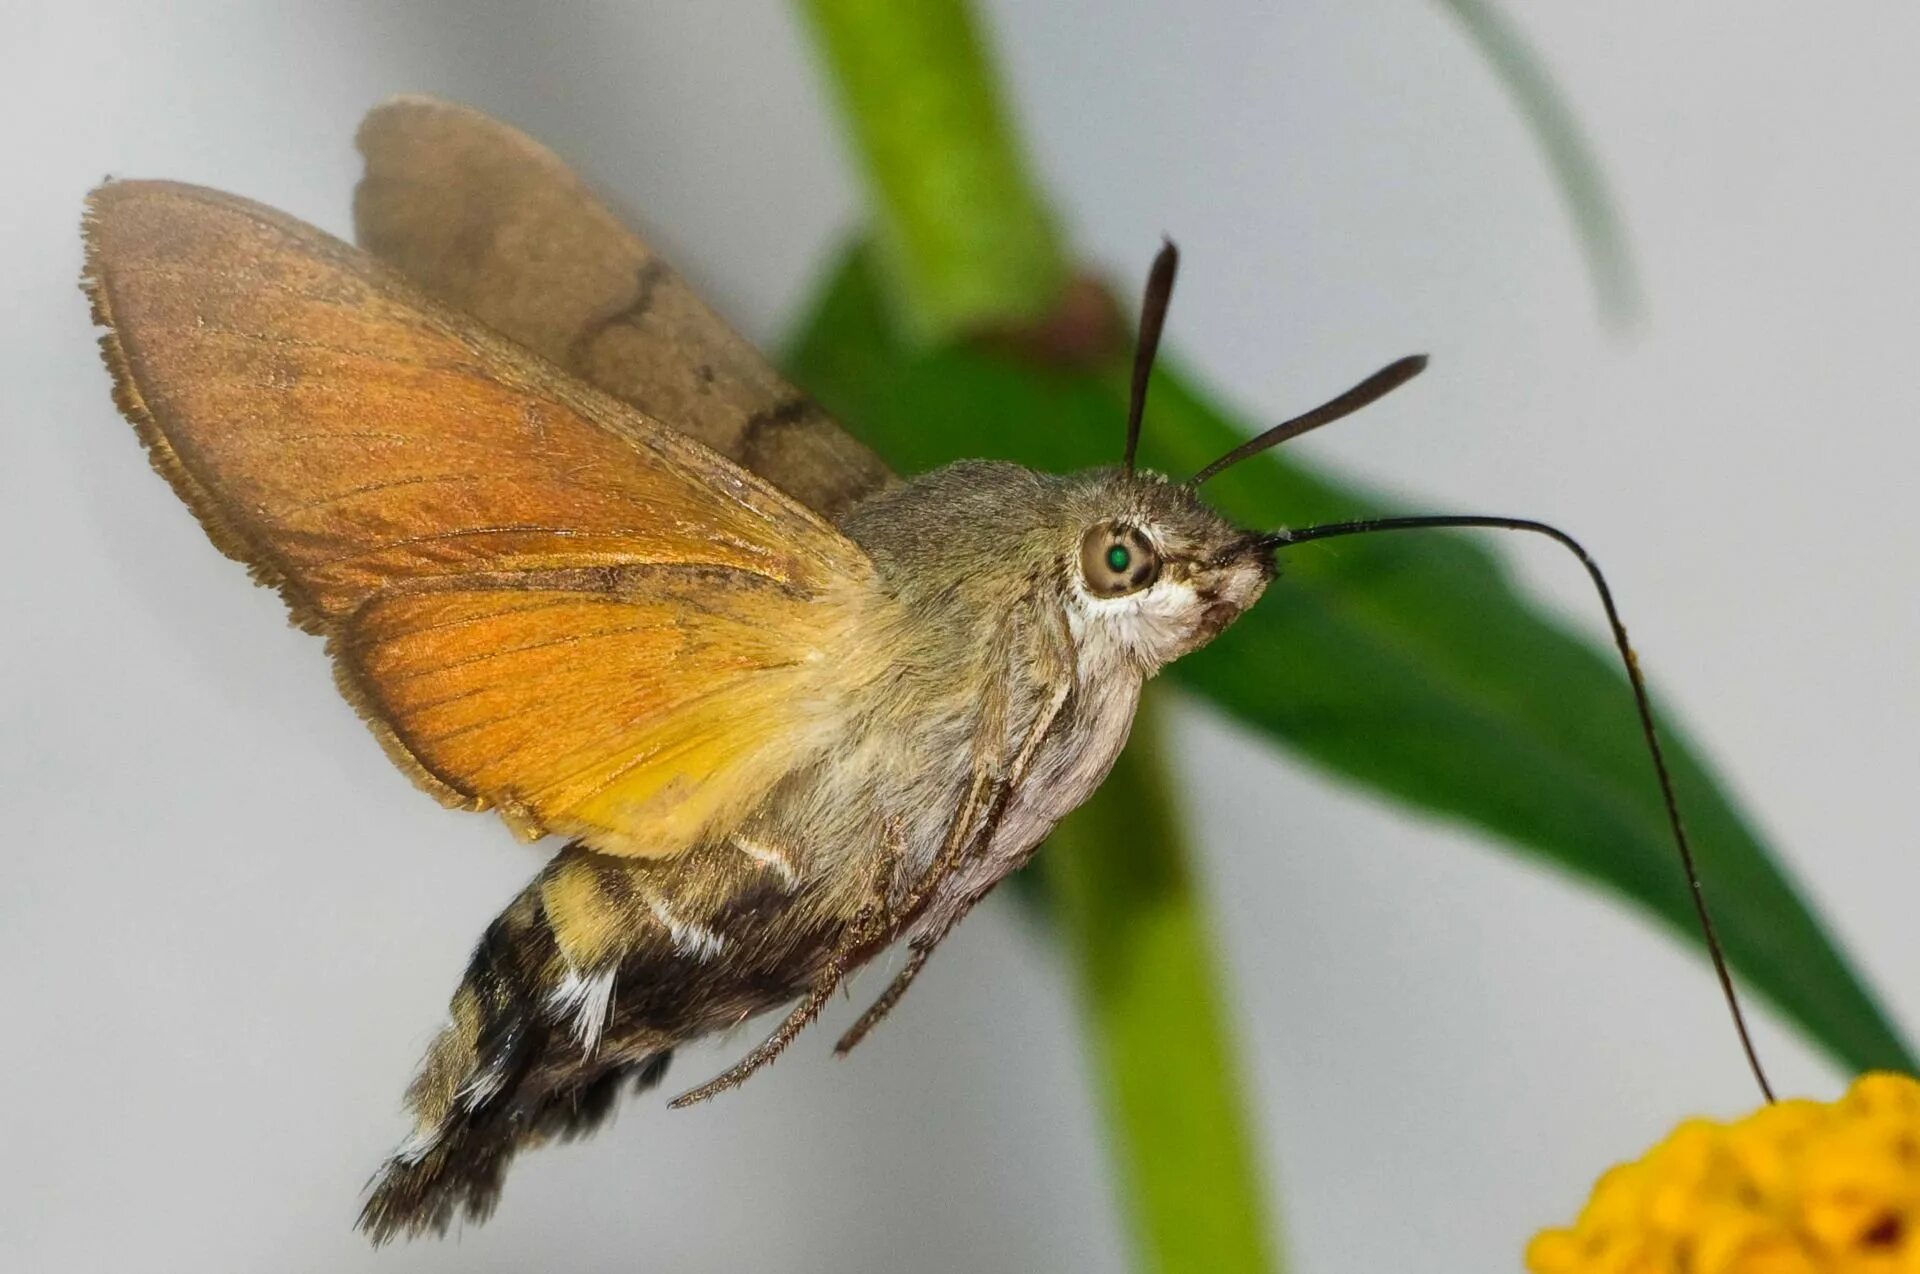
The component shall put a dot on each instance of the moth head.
(1145, 570)
(1151, 572)
(1156, 571)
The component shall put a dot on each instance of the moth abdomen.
(454, 1157)
(459, 1168)
(578, 991)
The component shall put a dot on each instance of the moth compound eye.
(1116, 560)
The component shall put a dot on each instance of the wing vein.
(487, 656)
(374, 488)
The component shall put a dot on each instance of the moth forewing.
(464, 524)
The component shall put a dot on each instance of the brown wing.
(492, 223)
(542, 600)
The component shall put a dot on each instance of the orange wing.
(542, 600)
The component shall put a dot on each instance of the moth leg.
(965, 832)
(920, 953)
(966, 835)
(921, 948)
(869, 925)
(764, 1052)
(971, 830)
(964, 838)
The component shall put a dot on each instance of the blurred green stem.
(963, 228)
(969, 244)
(1130, 910)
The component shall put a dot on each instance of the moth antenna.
(1372, 389)
(1368, 526)
(1153, 317)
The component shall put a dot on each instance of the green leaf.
(1407, 663)
(1136, 930)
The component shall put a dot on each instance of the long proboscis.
(1369, 526)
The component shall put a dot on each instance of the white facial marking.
(689, 937)
(1150, 625)
(767, 856)
(590, 999)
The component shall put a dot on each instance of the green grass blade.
(1406, 663)
(1575, 169)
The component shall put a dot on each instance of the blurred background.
(229, 926)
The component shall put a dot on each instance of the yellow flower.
(1801, 1187)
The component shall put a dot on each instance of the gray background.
(228, 926)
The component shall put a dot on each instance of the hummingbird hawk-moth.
(581, 557)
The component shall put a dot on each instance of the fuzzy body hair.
(606, 964)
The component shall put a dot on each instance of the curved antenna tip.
(1374, 387)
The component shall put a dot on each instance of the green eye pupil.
(1118, 558)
